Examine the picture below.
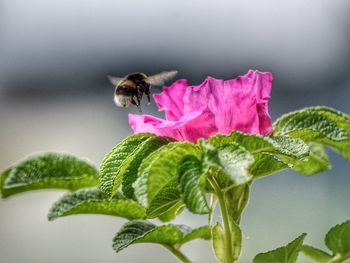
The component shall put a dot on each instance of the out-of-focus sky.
(54, 96)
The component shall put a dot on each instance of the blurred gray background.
(54, 96)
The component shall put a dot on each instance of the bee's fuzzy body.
(130, 89)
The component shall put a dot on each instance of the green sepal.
(93, 201)
(48, 171)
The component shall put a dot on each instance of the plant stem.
(226, 221)
(177, 253)
(211, 208)
(340, 258)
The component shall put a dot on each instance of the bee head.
(123, 95)
(122, 100)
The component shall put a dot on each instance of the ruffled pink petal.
(263, 85)
(196, 97)
(234, 102)
(201, 127)
(171, 100)
(265, 123)
(147, 123)
(189, 128)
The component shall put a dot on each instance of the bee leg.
(133, 102)
(137, 103)
(147, 92)
(148, 99)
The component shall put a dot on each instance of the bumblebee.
(129, 90)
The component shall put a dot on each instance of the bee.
(129, 90)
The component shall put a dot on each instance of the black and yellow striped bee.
(130, 89)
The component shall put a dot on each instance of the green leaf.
(286, 254)
(3, 176)
(145, 232)
(316, 254)
(171, 213)
(203, 232)
(343, 121)
(229, 158)
(259, 144)
(237, 199)
(290, 147)
(93, 201)
(130, 168)
(120, 165)
(267, 152)
(218, 242)
(316, 162)
(165, 204)
(338, 239)
(49, 170)
(156, 187)
(189, 174)
(237, 239)
(140, 231)
(318, 124)
(267, 164)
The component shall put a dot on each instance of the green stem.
(339, 258)
(178, 254)
(211, 208)
(226, 221)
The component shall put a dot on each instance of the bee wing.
(114, 80)
(161, 78)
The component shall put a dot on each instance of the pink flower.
(215, 106)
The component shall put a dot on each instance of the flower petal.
(263, 85)
(190, 128)
(196, 97)
(202, 126)
(234, 102)
(265, 123)
(147, 123)
(170, 100)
